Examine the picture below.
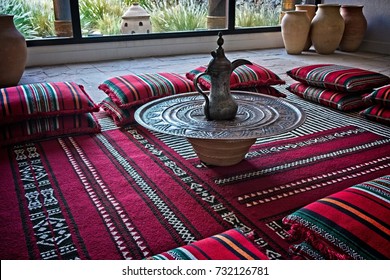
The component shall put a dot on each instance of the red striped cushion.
(121, 117)
(377, 113)
(37, 129)
(130, 90)
(244, 76)
(380, 96)
(330, 98)
(338, 77)
(350, 224)
(229, 245)
(267, 90)
(42, 100)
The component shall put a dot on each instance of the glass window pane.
(124, 17)
(40, 19)
(257, 13)
(51, 19)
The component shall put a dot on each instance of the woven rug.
(131, 194)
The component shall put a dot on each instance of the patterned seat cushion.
(229, 245)
(380, 96)
(377, 113)
(338, 77)
(43, 100)
(244, 76)
(338, 100)
(350, 224)
(121, 117)
(42, 128)
(267, 90)
(132, 90)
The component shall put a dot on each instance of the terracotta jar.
(355, 27)
(310, 12)
(13, 52)
(286, 5)
(295, 30)
(327, 28)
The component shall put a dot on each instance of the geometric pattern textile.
(130, 193)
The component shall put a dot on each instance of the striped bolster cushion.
(380, 96)
(130, 90)
(229, 245)
(350, 224)
(330, 98)
(43, 100)
(377, 113)
(42, 128)
(244, 76)
(338, 77)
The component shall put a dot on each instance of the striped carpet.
(131, 194)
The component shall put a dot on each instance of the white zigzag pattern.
(300, 162)
(289, 192)
(107, 219)
(151, 194)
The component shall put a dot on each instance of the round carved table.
(221, 143)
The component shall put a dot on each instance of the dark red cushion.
(43, 100)
(131, 90)
(244, 76)
(338, 77)
(229, 245)
(42, 128)
(267, 90)
(120, 117)
(377, 113)
(380, 96)
(338, 100)
(350, 224)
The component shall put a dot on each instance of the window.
(47, 22)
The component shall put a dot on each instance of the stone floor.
(91, 74)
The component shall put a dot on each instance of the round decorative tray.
(258, 116)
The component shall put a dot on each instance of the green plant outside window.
(35, 18)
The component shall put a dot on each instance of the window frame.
(79, 39)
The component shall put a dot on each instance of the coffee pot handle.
(207, 101)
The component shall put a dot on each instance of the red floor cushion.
(121, 117)
(132, 90)
(244, 76)
(229, 245)
(338, 100)
(377, 113)
(380, 96)
(338, 77)
(350, 224)
(43, 128)
(43, 100)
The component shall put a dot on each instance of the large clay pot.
(310, 12)
(13, 52)
(355, 27)
(295, 30)
(327, 28)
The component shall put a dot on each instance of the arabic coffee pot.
(219, 103)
